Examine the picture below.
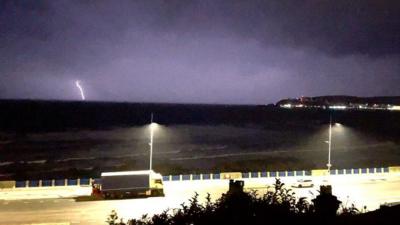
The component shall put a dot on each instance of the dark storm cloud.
(198, 51)
(339, 27)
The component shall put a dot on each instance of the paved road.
(361, 190)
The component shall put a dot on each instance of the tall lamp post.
(329, 165)
(153, 126)
(151, 142)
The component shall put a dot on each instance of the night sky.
(229, 52)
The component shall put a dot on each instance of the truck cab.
(156, 185)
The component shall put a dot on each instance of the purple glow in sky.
(208, 51)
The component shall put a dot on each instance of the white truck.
(129, 184)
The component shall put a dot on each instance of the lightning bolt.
(78, 85)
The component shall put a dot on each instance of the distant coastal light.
(342, 103)
(337, 107)
(395, 107)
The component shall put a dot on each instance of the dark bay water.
(58, 139)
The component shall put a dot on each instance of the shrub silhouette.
(278, 206)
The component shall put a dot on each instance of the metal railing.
(205, 176)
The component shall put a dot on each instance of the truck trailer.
(129, 184)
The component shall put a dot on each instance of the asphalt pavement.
(45, 206)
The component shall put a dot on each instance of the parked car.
(303, 184)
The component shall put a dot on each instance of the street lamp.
(329, 165)
(152, 127)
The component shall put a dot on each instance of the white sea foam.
(6, 163)
(42, 161)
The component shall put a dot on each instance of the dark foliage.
(274, 207)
